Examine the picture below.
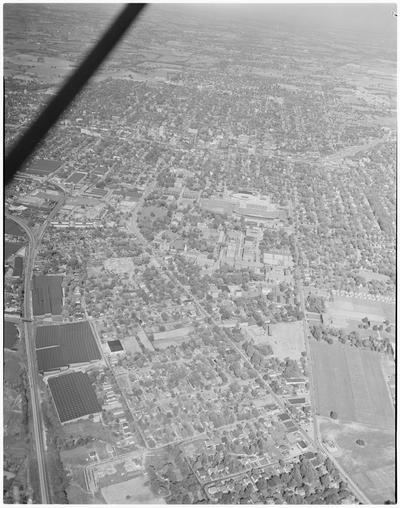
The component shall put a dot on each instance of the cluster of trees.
(150, 224)
(338, 240)
(257, 354)
(201, 245)
(12, 463)
(384, 220)
(303, 484)
(170, 477)
(315, 304)
(263, 310)
(366, 324)
(291, 369)
(331, 335)
(227, 276)
(55, 443)
(320, 332)
(317, 486)
(165, 178)
(225, 455)
(276, 239)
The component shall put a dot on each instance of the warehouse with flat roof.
(65, 345)
(74, 396)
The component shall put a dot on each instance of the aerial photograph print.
(199, 253)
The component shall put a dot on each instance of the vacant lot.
(80, 454)
(130, 344)
(368, 275)
(12, 369)
(350, 382)
(343, 310)
(78, 496)
(134, 491)
(172, 337)
(286, 339)
(371, 466)
(12, 228)
(119, 265)
(10, 248)
(11, 335)
(152, 212)
(86, 428)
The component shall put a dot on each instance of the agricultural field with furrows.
(350, 382)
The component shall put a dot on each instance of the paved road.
(38, 427)
(316, 438)
(315, 443)
(122, 391)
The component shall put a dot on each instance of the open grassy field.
(119, 74)
(77, 495)
(10, 248)
(16, 447)
(371, 466)
(12, 368)
(350, 382)
(119, 265)
(130, 344)
(286, 339)
(172, 337)
(369, 275)
(80, 454)
(134, 491)
(87, 428)
(345, 309)
(11, 335)
(152, 212)
(50, 70)
(12, 228)
(389, 373)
